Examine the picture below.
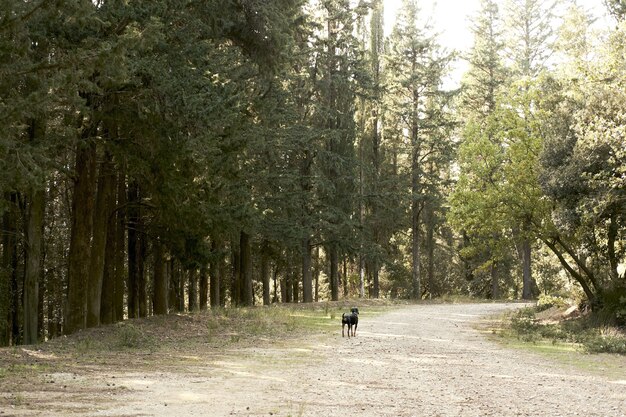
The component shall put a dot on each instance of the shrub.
(546, 302)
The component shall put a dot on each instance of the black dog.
(351, 320)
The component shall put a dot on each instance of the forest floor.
(412, 360)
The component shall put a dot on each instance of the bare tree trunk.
(204, 287)
(430, 250)
(120, 249)
(526, 268)
(334, 272)
(6, 271)
(102, 212)
(285, 289)
(133, 250)
(80, 239)
(34, 237)
(495, 290)
(160, 305)
(214, 275)
(141, 270)
(316, 273)
(295, 284)
(108, 282)
(375, 279)
(235, 284)
(275, 279)
(288, 285)
(344, 278)
(222, 269)
(307, 277)
(193, 290)
(245, 269)
(265, 274)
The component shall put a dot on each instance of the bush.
(546, 302)
(607, 341)
(590, 332)
(130, 336)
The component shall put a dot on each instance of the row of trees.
(542, 158)
(170, 155)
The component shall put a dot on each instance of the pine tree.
(416, 66)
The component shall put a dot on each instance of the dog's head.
(354, 310)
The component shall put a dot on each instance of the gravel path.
(425, 360)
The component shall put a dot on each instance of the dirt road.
(426, 360)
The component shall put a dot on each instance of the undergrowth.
(590, 332)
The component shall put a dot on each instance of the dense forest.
(168, 156)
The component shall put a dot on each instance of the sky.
(450, 18)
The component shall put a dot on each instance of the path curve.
(424, 360)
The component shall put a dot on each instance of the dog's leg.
(343, 326)
(354, 331)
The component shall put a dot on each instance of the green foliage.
(546, 302)
(587, 332)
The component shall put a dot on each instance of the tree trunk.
(204, 288)
(214, 275)
(141, 270)
(612, 234)
(526, 265)
(495, 291)
(375, 279)
(307, 277)
(222, 270)
(361, 276)
(34, 237)
(7, 271)
(415, 251)
(246, 269)
(137, 292)
(108, 282)
(275, 279)
(430, 250)
(288, 286)
(102, 212)
(295, 282)
(344, 278)
(80, 238)
(416, 203)
(178, 285)
(265, 274)
(120, 249)
(334, 273)
(235, 284)
(591, 295)
(193, 290)
(160, 303)
(133, 250)
(112, 300)
(316, 273)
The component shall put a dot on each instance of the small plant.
(87, 344)
(18, 400)
(129, 336)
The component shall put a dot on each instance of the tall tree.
(416, 65)
(480, 153)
